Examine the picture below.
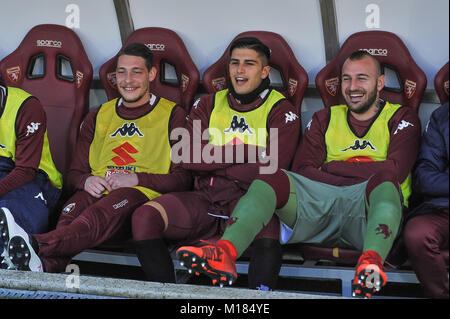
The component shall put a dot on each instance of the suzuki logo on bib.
(123, 151)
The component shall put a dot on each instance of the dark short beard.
(366, 106)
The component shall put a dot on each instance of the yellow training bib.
(228, 126)
(132, 146)
(15, 98)
(343, 144)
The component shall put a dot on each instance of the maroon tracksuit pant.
(189, 219)
(426, 239)
(87, 222)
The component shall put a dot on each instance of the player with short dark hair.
(253, 44)
(242, 117)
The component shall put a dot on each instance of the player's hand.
(95, 185)
(122, 180)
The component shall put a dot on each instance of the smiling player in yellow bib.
(123, 159)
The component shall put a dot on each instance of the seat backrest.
(168, 50)
(441, 84)
(51, 64)
(294, 77)
(394, 57)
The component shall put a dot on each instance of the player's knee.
(273, 179)
(279, 181)
(379, 178)
(147, 223)
(412, 238)
(417, 235)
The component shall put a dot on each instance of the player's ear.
(152, 74)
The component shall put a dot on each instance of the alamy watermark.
(73, 17)
(73, 280)
(197, 152)
(373, 17)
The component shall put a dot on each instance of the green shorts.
(327, 215)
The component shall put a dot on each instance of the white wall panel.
(422, 25)
(98, 28)
(207, 27)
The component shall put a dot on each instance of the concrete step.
(124, 288)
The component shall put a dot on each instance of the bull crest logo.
(112, 80)
(184, 82)
(332, 85)
(292, 86)
(410, 88)
(79, 78)
(14, 74)
(219, 83)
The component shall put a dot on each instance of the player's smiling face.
(361, 86)
(246, 70)
(133, 80)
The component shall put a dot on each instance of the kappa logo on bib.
(360, 145)
(127, 129)
(240, 125)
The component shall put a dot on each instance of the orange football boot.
(369, 275)
(217, 261)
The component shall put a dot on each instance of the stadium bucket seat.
(169, 54)
(395, 59)
(441, 84)
(294, 78)
(51, 64)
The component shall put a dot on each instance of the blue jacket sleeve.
(432, 165)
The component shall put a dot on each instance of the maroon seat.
(392, 53)
(51, 64)
(339, 255)
(441, 84)
(294, 77)
(168, 49)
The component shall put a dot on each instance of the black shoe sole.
(19, 253)
(198, 265)
(4, 232)
(4, 236)
(365, 287)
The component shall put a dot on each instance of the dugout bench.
(294, 265)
